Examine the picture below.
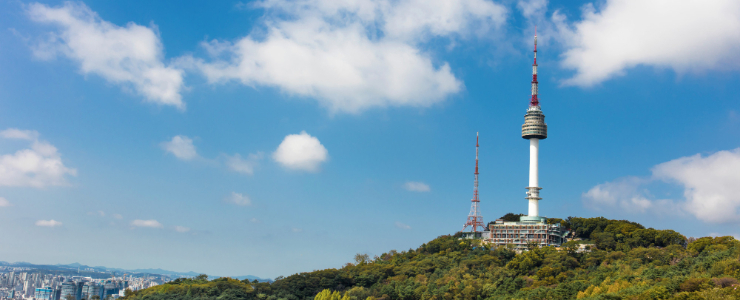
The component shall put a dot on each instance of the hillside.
(628, 262)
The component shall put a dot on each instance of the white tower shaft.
(534, 149)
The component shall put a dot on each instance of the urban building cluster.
(26, 283)
(531, 229)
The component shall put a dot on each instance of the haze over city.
(274, 137)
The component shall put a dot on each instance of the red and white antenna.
(535, 101)
(474, 218)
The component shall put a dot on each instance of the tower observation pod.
(534, 129)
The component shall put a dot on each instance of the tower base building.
(524, 233)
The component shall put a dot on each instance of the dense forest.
(625, 261)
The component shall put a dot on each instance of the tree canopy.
(628, 262)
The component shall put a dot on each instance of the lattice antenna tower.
(475, 220)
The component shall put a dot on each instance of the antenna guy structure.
(475, 220)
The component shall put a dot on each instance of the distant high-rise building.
(73, 289)
(45, 293)
(110, 288)
(85, 289)
(92, 289)
(11, 279)
(27, 288)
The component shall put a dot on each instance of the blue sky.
(276, 137)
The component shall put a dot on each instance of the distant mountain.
(76, 265)
(252, 278)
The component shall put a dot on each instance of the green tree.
(511, 217)
(604, 240)
(362, 258)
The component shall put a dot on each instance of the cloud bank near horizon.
(711, 189)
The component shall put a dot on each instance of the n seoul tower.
(534, 129)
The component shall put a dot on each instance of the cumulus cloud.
(238, 199)
(181, 147)
(684, 36)
(711, 184)
(624, 193)
(38, 166)
(402, 226)
(351, 55)
(301, 152)
(711, 187)
(146, 223)
(48, 223)
(245, 166)
(130, 56)
(4, 202)
(182, 229)
(532, 8)
(415, 186)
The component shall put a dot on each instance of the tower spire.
(535, 101)
(474, 218)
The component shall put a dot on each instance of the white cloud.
(129, 56)
(14, 133)
(415, 186)
(711, 187)
(301, 152)
(4, 202)
(255, 220)
(351, 55)
(182, 229)
(99, 213)
(296, 230)
(181, 146)
(711, 184)
(146, 223)
(117, 216)
(685, 36)
(39, 166)
(624, 193)
(532, 8)
(402, 226)
(245, 166)
(48, 223)
(238, 199)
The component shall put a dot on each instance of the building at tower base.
(525, 232)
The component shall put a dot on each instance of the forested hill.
(627, 261)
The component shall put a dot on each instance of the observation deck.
(534, 124)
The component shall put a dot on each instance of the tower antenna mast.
(474, 218)
(534, 129)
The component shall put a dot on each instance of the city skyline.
(274, 137)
